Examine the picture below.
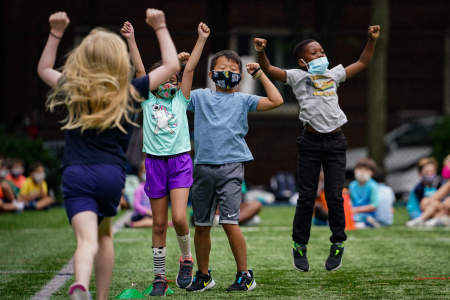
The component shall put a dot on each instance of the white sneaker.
(432, 222)
(415, 222)
(77, 291)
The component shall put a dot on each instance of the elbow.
(278, 101)
(176, 67)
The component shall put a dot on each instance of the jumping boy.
(321, 142)
(220, 126)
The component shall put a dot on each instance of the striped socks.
(159, 261)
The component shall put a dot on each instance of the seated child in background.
(421, 206)
(8, 191)
(34, 192)
(142, 215)
(385, 210)
(442, 216)
(364, 194)
(16, 174)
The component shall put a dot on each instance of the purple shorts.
(167, 173)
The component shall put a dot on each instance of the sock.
(159, 261)
(184, 242)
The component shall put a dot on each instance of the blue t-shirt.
(366, 194)
(106, 147)
(220, 125)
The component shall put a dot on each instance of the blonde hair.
(95, 86)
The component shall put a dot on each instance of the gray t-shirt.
(317, 97)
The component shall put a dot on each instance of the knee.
(159, 228)
(179, 220)
(88, 246)
(202, 230)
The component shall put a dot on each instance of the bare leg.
(159, 229)
(202, 242)
(104, 261)
(84, 225)
(429, 208)
(237, 244)
(44, 202)
(249, 209)
(179, 199)
(143, 223)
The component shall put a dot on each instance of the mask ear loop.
(306, 64)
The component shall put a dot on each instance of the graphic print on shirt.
(164, 119)
(320, 85)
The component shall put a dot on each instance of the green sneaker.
(300, 259)
(334, 261)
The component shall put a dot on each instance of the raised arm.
(188, 73)
(170, 65)
(274, 98)
(58, 24)
(127, 32)
(366, 56)
(274, 72)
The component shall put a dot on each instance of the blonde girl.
(96, 89)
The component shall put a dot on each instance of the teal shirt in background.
(366, 194)
(166, 128)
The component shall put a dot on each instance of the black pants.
(328, 151)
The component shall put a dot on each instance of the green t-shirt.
(166, 129)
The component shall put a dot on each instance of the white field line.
(66, 272)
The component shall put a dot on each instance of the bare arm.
(188, 74)
(274, 72)
(127, 32)
(364, 209)
(274, 98)
(443, 191)
(58, 24)
(366, 55)
(170, 64)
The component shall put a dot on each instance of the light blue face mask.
(318, 66)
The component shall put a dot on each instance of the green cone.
(130, 294)
(150, 287)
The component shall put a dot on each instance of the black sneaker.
(201, 282)
(184, 277)
(300, 259)
(159, 286)
(243, 282)
(334, 261)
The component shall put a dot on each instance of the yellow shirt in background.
(30, 187)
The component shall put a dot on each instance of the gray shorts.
(217, 184)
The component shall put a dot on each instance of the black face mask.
(226, 79)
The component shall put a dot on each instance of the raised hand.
(260, 44)
(374, 32)
(127, 30)
(183, 57)
(155, 18)
(253, 69)
(203, 30)
(58, 23)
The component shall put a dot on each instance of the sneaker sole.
(298, 269)
(334, 268)
(209, 286)
(252, 287)
(178, 285)
(79, 295)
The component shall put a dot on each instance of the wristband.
(55, 36)
(256, 71)
(258, 75)
(160, 27)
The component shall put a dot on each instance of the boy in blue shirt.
(220, 126)
(364, 194)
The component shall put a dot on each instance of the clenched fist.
(58, 23)
(254, 70)
(183, 57)
(127, 30)
(374, 32)
(155, 18)
(260, 44)
(203, 30)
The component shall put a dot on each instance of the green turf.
(378, 264)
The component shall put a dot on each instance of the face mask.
(39, 177)
(446, 172)
(428, 179)
(3, 173)
(226, 79)
(317, 66)
(362, 176)
(167, 90)
(16, 172)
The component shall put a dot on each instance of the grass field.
(388, 263)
